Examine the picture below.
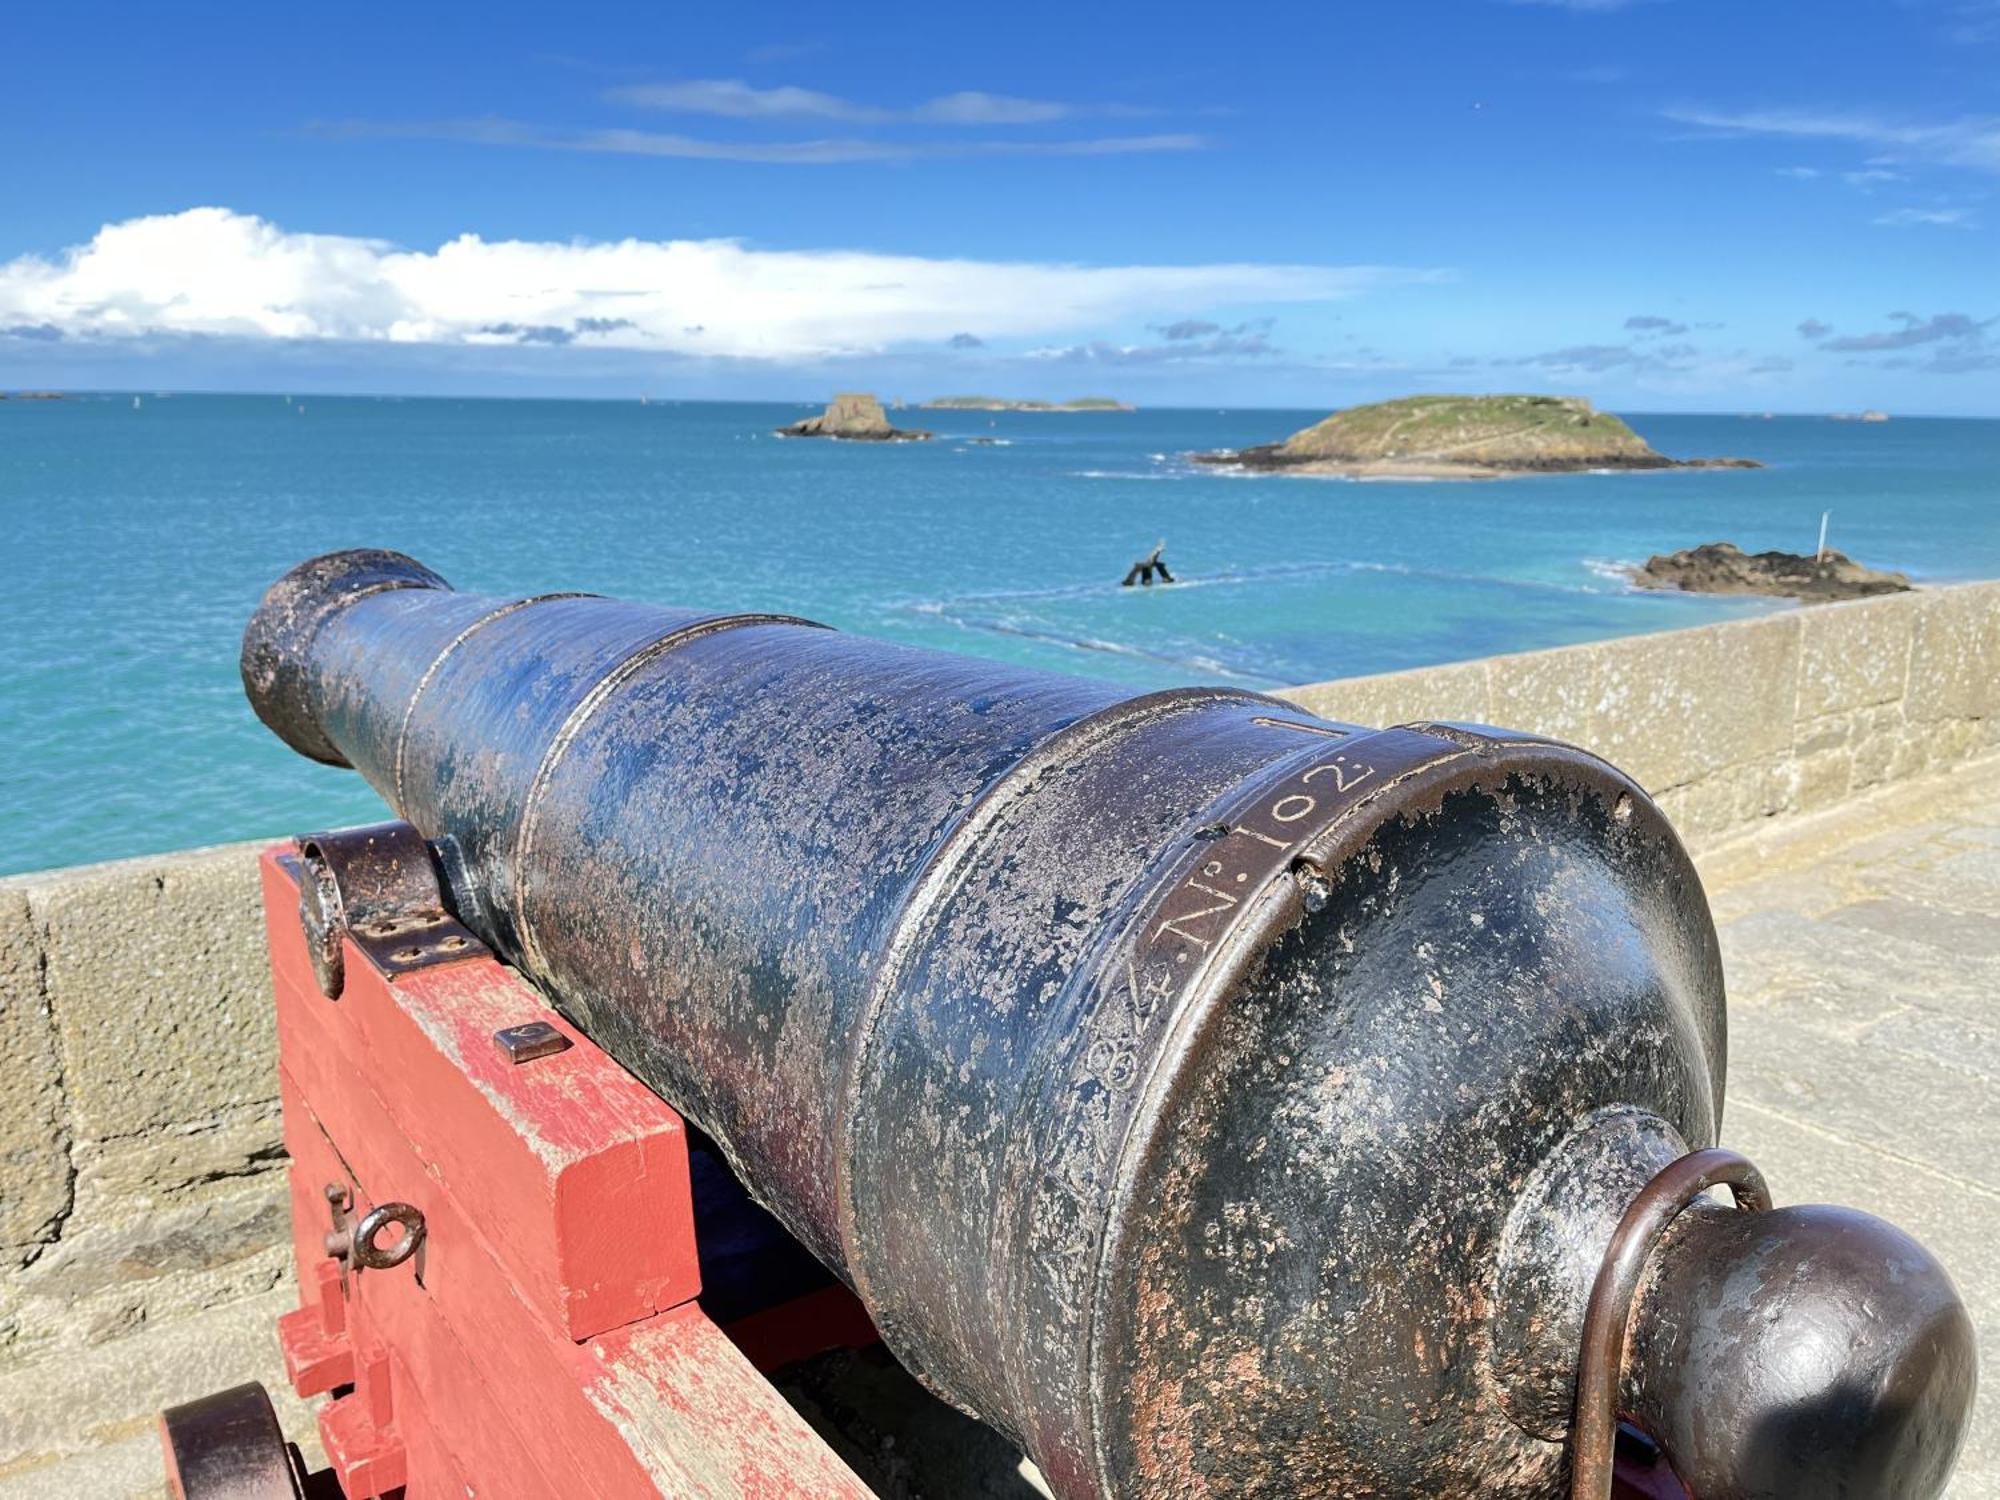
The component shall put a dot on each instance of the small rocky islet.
(1725, 568)
(1463, 437)
(854, 417)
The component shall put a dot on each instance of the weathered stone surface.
(232, 1146)
(157, 980)
(205, 1234)
(1455, 691)
(1729, 725)
(109, 1392)
(1546, 692)
(1967, 934)
(1955, 656)
(34, 1126)
(1675, 708)
(1824, 778)
(140, 1155)
(1853, 655)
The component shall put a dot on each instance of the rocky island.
(1725, 568)
(1464, 437)
(855, 417)
(1001, 403)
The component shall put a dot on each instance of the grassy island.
(1464, 437)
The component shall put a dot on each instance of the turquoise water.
(137, 542)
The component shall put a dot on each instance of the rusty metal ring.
(368, 1256)
(1594, 1430)
(322, 918)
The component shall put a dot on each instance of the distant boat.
(135, 403)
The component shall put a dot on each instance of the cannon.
(1214, 1099)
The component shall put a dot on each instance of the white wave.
(1611, 568)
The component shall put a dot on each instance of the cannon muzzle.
(1214, 1098)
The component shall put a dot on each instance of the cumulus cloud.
(214, 272)
(731, 98)
(966, 341)
(1646, 323)
(1967, 141)
(1814, 330)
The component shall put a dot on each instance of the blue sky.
(1662, 204)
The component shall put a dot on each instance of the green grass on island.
(1471, 430)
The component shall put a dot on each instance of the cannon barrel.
(1216, 1099)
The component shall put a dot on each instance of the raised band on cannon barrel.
(1218, 1100)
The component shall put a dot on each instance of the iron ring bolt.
(370, 1256)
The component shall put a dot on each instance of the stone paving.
(1862, 947)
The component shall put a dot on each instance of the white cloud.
(1588, 6)
(736, 100)
(830, 151)
(1969, 141)
(211, 271)
(731, 98)
(1945, 218)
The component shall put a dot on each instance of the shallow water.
(138, 540)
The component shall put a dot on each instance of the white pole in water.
(1823, 515)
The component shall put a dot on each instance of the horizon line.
(17, 392)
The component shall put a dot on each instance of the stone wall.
(142, 1214)
(142, 1254)
(1731, 725)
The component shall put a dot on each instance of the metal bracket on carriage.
(378, 888)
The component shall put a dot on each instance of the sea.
(138, 531)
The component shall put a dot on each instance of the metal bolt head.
(1315, 890)
(532, 1039)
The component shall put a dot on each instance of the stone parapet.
(1731, 725)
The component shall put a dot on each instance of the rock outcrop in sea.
(1464, 437)
(856, 417)
(1725, 568)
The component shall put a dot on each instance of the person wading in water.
(1144, 569)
